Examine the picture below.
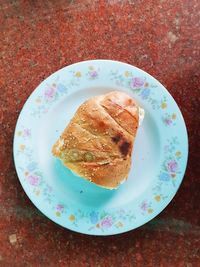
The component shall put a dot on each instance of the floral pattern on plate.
(102, 221)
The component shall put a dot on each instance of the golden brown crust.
(97, 144)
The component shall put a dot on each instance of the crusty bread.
(97, 144)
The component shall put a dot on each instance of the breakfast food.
(97, 144)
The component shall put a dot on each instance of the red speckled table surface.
(39, 37)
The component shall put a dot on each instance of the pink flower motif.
(59, 207)
(49, 93)
(107, 222)
(27, 132)
(93, 74)
(172, 166)
(167, 121)
(144, 206)
(33, 179)
(137, 82)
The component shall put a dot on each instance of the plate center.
(73, 189)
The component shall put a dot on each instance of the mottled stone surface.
(39, 37)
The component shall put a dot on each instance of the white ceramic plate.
(159, 158)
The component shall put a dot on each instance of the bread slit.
(107, 111)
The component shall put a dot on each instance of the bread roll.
(97, 144)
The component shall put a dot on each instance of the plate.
(159, 157)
